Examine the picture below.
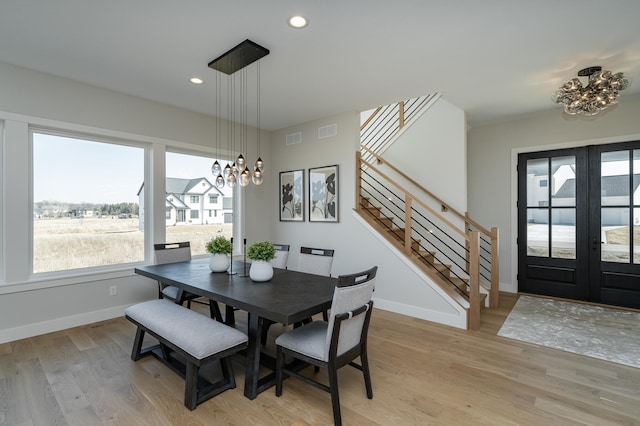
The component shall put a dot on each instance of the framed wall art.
(292, 196)
(323, 194)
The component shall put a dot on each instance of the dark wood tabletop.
(289, 297)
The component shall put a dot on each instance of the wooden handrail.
(373, 114)
(466, 219)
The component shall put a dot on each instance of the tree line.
(62, 209)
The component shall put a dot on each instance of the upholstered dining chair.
(282, 256)
(312, 261)
(179, 252)
(315, 261)
(336, 343)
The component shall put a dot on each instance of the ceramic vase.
(219, 262)
(260, 270)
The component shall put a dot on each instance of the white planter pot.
(219, 262)
(260, 270)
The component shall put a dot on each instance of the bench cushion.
(196, 334)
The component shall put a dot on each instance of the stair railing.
(470, 249)
(384, 123)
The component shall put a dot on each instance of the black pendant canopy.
(238, 57)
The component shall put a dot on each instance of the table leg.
(253, 356)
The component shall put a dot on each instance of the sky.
(76, 171)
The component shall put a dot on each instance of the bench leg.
(191, 386)
(227, 372)
(137, 344)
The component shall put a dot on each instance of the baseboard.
(457, 321)
(57, 324)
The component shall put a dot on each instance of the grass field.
(67, 243)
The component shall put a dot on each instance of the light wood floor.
(422, 373)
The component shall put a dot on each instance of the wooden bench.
(188, 340)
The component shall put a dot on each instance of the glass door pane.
(615, 199)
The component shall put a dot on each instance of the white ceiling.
(492, 58)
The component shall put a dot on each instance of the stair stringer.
(458, 320)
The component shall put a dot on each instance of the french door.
(579, 223)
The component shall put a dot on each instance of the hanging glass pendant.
(231, 180)
(234, 170)
(257, 178)
(216, 168)
(241, 163)
(245, 177)
(220, 181)
(259, 164)
(227, 171)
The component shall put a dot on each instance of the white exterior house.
(194, 202)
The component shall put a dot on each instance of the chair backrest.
(172, 252)
(353, 291)
(315, 261)
(282, 256)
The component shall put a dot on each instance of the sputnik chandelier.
(236, 59)
(602, 89)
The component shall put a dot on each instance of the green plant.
(261, 250)
(219, 245)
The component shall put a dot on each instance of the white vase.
(219, 262)
(260, 270)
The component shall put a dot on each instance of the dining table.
(290, 297)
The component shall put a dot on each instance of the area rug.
(598, 332)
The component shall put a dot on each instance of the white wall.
(492, 155)
(30, 306)
(399, 287)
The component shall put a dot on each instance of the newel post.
(473, 321)
(494, 293)
(358, 177)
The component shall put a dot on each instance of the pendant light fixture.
(238, 59)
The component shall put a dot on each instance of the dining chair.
(312, 261)
(282, 256)
(336, 343)
(315, 261)
(179, 252)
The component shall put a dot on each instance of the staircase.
(456, 253)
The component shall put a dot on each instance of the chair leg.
(214, 311)
(325, 316)
(335, 397)
(365, 372)
(229, 315)
(279, 366)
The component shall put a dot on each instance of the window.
(543, 183)
(168, 213)
(85, 203)
(184, 170)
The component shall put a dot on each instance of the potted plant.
(261, 253)
(220, 249)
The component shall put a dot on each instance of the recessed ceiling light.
(298, 21)
(196, 80)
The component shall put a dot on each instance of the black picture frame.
(291, 188)
(323, 193)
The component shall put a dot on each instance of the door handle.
(595, 243)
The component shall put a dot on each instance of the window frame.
(89, 137)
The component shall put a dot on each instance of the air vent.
(327, 131)
(294, 138)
